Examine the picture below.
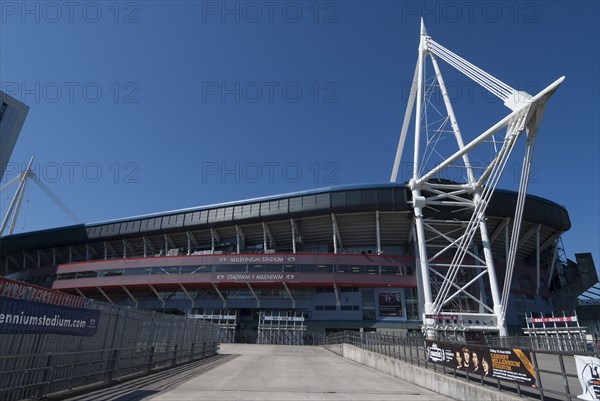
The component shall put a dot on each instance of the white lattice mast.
(12, 213)
(450, 263)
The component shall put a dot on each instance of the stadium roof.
(338, 199)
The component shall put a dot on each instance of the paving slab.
(292, 373)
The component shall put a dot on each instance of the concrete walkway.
(290, 373)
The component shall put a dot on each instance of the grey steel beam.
(105, 295)
(220, 295)
(337, 238)
(187, 294)
(290, 295)
(239, 234)
(157, 295)
(135, 301)
(254, 295)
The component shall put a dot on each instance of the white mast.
(449, 249)
(15, 205)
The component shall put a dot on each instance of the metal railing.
(569, 345)
(128, 341)
(555, 372)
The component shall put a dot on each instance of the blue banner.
(19, 316)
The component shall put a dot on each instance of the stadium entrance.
(260, 326)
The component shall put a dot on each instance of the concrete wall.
(442, 384)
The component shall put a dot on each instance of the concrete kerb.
(439, 383)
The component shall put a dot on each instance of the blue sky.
(147, 106)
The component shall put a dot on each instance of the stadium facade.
(342, 257)
(12, 118)
(433, 254)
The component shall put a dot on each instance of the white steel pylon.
(451, 235)
(12, 213)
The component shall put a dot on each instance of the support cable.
(476, 218)
(514, 240)
(489, 82)
(55, 198)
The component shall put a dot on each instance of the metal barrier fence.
(310, 336)
(281, 328)
(545, 343)
(127, 341)
(555, 372)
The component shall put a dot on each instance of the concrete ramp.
(287, 372)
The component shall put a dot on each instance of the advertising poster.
(588, 371)
(498, 363)
(19, 316)
(390, 304)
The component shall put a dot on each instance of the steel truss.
(453, 245)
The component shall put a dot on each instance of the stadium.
(340, 258)
(450, 258)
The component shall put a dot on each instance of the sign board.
(19, 316)
(390, 304)
(255, 277)
(18, 290)
(499, 363)
(443, 317)
(559, 319)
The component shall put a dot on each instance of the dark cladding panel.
(309, 202)
(400, 199)
(109, 230)
(534, 210)
(369, 197)
(72, 235)
(276, 207)
(238, 212)
(502, 204)
(284, 206)
(172, 221)
(338, 199)
(94, 232)
(152, 224)
(323, 201)
(165, 222)
(385, 199)
(255, 209)
(540, 211)
(537, 210)
(353, 198)
(220, 214)
(130, 227)
(388, 199)
(212, 215)
(295, 204)
(306, 203)
(246, 211)
(196, 218)
(44, 237)
(266, 209)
